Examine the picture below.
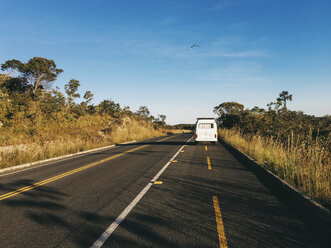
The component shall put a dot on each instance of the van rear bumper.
(206, 140)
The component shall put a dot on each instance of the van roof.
(205, 118)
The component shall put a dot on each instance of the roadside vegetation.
(38, 121)
(291, 144)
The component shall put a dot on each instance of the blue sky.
(137, 52)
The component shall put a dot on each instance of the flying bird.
(195, 45)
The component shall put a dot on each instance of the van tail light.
(215, 135)
(196, 135)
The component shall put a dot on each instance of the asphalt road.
(203, 198)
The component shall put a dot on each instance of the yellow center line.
(65, 174)
(220, 227)
(209, 164)
(165, 139)
(206, 148)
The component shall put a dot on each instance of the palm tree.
(283, 97)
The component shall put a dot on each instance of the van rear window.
(206, 125)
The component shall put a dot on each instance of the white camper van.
(206, 130)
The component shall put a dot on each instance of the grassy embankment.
(39, 122)
(56, 138)
(305, 165)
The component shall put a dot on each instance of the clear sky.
(138, 52)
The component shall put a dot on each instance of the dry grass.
(65, 137)
(177, 131)
(131, 129)
(303, 163)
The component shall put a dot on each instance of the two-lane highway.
(164, 192)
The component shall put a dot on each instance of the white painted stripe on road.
(102, 239)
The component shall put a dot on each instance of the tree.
(86, 105)
(4, 78)
(88, 96)
(19, 85)
(143, 111)
(229, 113)
(274, 105)
(109, 107)
(38, 71)
(52, 102)
(162, 118)
(283, 98)
(126, 111)
(257, 110)
(230, 108)
(71, 90)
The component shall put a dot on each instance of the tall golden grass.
(303, 163)
(64, 137)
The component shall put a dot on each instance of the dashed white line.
(102, 239)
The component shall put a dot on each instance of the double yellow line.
(68, 173)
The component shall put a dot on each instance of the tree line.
(27, 96)
(277, 120)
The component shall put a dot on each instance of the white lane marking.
(102, 239)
